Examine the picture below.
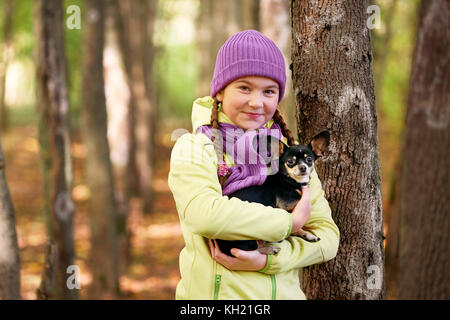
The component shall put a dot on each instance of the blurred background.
(158, 56)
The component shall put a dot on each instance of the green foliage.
(395, 83)
(175, 78)
(74, 43)
(24, 47)
(175, 69)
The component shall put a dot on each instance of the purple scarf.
(249, 152)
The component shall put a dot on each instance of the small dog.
(283, 189)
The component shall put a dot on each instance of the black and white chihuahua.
(283, 189)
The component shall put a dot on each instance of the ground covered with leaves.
(155, 237)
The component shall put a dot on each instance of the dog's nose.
(303, 168)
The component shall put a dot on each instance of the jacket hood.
(201, 114)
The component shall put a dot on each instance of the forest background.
(179, 46)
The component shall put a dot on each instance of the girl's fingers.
(305, 192)
(212, 249)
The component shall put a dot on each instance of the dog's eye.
(291, 161)
(309, 159)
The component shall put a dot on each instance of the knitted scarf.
(249, 152)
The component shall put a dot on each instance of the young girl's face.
(250, 101)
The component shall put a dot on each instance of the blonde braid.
(284, 129)
(216, 137)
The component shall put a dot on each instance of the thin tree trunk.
(392, 219)
(47, 287)
(9, 249)
(217, 19)
(333, 84)
(274, 17)
(204, 51)
(54, 136)
(102, 203)
(136, 19)
(424, 271)
(248, 14)
(118, 98)
(7, 55)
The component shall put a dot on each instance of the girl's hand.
(302, 210)
(242, 260)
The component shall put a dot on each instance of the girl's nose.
(256, 100)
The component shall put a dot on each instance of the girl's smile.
(254, 115)
(250, 101)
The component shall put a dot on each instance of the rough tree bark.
(54, 138)
(424, 270)
(99, 176)
(9, 249)
(334, 89)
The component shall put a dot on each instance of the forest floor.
(155, 238)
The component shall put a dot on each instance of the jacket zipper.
(217, 286)
(219, 279)
(274, 286)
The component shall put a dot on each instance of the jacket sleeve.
(202, 208)
(296, 252)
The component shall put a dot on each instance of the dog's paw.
(310, 237)
(269, 250)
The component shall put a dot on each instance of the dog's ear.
(319, 144)
(281, 147)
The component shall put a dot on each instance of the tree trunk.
(9, 249)
(102, 204)
(211, 32)
(247, 14)
(274, 17)
(54, 137)
(7, 56)
(424, 271)
(333, 84)
(136, 19)
(118, 99)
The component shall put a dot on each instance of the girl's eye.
(269, 92)
(244, 88)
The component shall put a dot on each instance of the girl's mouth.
(253, 115)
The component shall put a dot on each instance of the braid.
(215, 114)
(284, 129)
(217, 137)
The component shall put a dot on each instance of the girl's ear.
(219, 96)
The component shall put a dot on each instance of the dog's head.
(297, 162)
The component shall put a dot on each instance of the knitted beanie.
(248, 53)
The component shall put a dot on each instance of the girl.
(248, 84)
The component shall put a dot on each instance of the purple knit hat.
(248, 53)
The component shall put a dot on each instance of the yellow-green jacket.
(206, 214)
